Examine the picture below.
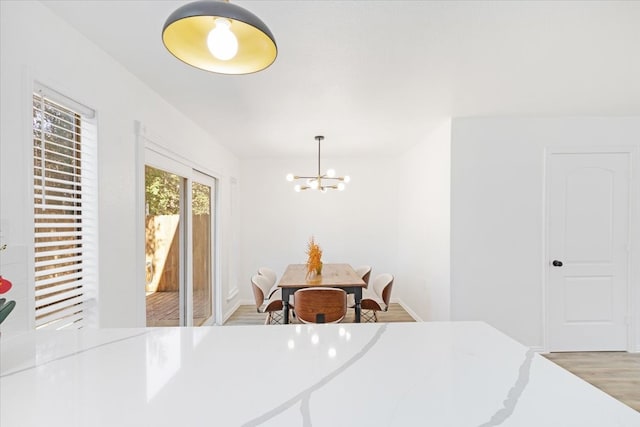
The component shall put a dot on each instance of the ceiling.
(375, 77)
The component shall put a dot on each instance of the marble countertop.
(395, 374)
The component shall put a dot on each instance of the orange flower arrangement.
(314, 258)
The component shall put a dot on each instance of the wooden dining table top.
(333, 275)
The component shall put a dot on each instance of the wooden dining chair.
(377, 297)
(363, 271)
(320, 305)
(272, 276)
(271, 305)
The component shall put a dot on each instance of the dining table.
(341, 276)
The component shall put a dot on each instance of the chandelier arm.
(315, 182)
(319, 139)
(337, 178)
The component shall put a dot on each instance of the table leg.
(285, 306)
(358, 297)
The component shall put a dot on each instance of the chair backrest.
(364, 271)
(269, 274)
(260, 286)
(320, 305)
(382, 285)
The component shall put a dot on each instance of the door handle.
(556, 263)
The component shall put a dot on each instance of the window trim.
(85, 146)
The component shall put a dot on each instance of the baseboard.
(407, 309)
(537, 349)
(230, 312)
(232, 294)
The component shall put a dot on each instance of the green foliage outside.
(163, 194)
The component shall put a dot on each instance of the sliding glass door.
(202, 235)
(179, 243)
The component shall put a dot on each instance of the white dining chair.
(272, 276)
(271, 305)
(363, 271)
(376, 298)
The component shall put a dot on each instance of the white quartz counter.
(396, 374)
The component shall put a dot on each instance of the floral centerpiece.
(314, 258)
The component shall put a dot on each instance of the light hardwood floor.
(247, 315)
(615, 373)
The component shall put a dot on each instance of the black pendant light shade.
(186, 31)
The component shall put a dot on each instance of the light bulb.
(341, 186)
(331, 173)
(297, 188)
(347, 178)
(290, 177)
(314, 184)
(222, 43)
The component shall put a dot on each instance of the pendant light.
(320, 181)
(220, 37)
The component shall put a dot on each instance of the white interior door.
(588, 244)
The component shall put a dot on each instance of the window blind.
(65, 212)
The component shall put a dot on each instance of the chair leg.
(368, 316)
(276, 318)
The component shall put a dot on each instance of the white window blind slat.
(58, 301)
(58, 253)
(56, 244)
(61, 145)
(67, 191)
(66, 158)
(60, 271)
(46, 234)
(60, 319)
(46, 228)
(56, 288)
(51, 281)
(47, 216)
(55, 166)
(57, 260)
(57, 205)
(65, 223)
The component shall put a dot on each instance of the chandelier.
(322, 182)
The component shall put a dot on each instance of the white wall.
(497, 214)
(85, 73)
(357, 226)
(424, 225)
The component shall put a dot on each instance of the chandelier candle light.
(322, 182)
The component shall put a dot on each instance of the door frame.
(148, 142)
(633, 252)
(204, 178)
